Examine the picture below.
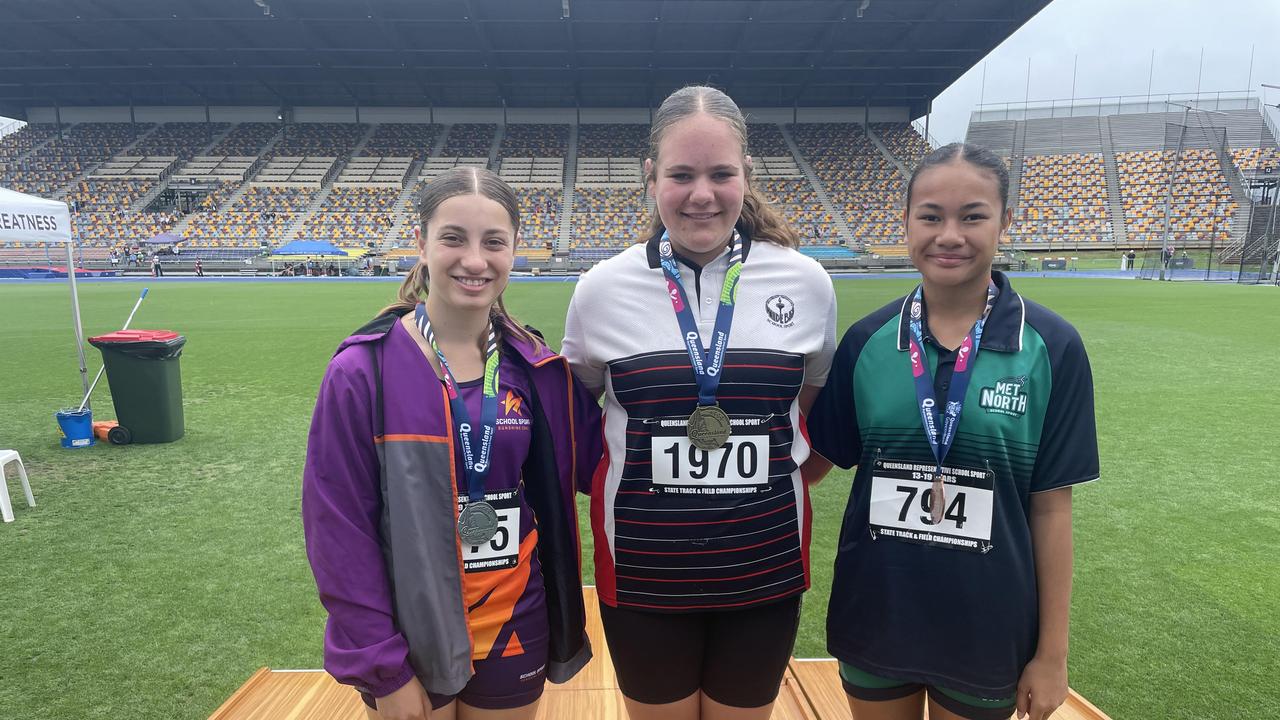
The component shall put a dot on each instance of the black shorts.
(736, 657)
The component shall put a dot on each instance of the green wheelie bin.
(146, 384)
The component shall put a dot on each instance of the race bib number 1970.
(902, 505)
(743, 460)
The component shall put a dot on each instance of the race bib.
(902, 505)
(743, 461)
(503, 549)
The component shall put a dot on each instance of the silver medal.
(477, 523)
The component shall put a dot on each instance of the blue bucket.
(76, 427)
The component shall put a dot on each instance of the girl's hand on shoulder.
(1042, 688)
(410, 702)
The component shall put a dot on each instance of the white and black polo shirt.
(677, 528)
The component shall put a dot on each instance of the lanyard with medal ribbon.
(708, 426)
(960, 376)
(477, 521)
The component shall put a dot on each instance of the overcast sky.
(1114, 40)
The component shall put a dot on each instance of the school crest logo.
(780, 310)
(512, 416)
(1007, 397)
(511, 404)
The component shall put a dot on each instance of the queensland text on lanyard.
(966, 355)
(708, 425)
(477, 521)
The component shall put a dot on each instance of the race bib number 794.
(902, 505)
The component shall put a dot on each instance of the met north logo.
(1008, 397)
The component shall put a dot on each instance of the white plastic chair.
(6, 508)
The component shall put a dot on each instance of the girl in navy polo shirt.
(968, 412)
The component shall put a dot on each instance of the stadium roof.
(484, 53)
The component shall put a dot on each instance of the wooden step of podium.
(820, 680)
(810, 690)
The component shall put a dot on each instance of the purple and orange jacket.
(379, 511)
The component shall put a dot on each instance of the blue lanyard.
(476, 464)
(706, 364)
(960, 376)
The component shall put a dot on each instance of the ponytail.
(762, 223)
(412, 291)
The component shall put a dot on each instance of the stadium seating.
(903, 141)
(261, 215)
(105, 213)
(862, 183)
(1257, 160)
(180, 139)
(14, 145)
(384, 172)
(1201, 206)
(353, 214)
(607, 220)
(470, 140)
(401, 140)
(797, 201)
(539, 170)
(319, 139)
(213, 201)
(539, 217)
(107, 195)
(107, 171)
(610, 170)
(613, 140)
(136, 167)
(246, 139)
(536, 141)
(114, 228)
(1062, 198)
(63, 159)
(765, 139)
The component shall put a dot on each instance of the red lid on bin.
(130, 336)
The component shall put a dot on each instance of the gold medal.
(708, 428)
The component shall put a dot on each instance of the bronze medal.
(708, 428)
(477, 523)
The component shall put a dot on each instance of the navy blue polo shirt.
(954, 603)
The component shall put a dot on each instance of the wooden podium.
(810, 690)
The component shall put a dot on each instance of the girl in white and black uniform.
(709, 340)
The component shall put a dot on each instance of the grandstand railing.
(929, 139)
(1271, 122)
(1114, 105)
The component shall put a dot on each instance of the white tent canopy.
(31, 219)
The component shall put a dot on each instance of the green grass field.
(151, 581)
